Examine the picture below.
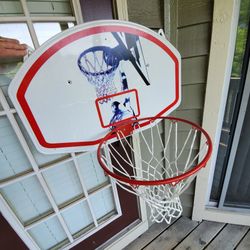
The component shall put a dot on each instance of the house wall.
(188, 25)
(147, 12)
(192, 35)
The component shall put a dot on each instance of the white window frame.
(224, 30)
(9, 112)
(28, 19)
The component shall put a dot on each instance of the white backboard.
(92, 75)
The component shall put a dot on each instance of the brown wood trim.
(96, 10)
(9, 240)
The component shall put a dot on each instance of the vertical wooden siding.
(190, 31)
(192, 34)
(150, 14)
(146, 12)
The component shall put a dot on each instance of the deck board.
(201, 236)
(185, 234)
(154, 231)
(245, 242)
(229, 237)
(173, 235)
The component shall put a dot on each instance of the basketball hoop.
(99, 64)
(157, 170)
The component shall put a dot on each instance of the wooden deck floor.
(191, 235)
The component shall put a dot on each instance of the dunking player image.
(121, 110)
(118, 113)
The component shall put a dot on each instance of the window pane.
(13, 160)
(238, 192)
(41, 159)
(47, 30)
(103, 203)
(49, 8)
(7, 73)
(27, 199)
(17, 31)
(78, 218)
(63, 182)
(241, 38)
(11, 8)
(49, 234)
(91, 171)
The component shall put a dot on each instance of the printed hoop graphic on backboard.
(92, 77)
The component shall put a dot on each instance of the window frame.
(224, 30)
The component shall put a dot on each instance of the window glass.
(49, 234)
(11, 8)
(63, 177)
(13, 160)
(47, 30)
(8, 69)
(78, 218)
(17, 31)
(91, 172)
(103, 204)
(49, 8)
(41, 159)
(241, 38)
(27, 199)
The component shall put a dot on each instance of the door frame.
(224, 30)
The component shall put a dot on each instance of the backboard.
(78, 85)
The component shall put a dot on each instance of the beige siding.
(194, 69)
(192, 96)
(192, 34)
(191, 12)
(193, 40)
(146, 12)
(186, 114)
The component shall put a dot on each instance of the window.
(231, 113)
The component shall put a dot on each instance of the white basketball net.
(157, 155)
